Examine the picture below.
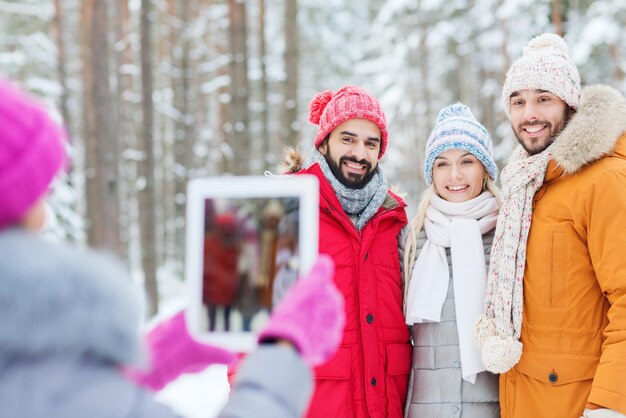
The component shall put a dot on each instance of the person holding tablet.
(71, 317)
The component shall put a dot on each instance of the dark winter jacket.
(369, 375)
(69, 317)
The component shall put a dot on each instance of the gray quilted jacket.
(436, 387)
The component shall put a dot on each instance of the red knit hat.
(328, 110)
(31, 153)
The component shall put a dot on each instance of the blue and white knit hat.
(457, 128)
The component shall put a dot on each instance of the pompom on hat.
(545, 65)
(31, 153)
(329, 109)
(457, 128)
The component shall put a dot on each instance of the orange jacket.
(574, 318)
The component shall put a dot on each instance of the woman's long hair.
(416, 225)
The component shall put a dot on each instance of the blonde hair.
(416, 225)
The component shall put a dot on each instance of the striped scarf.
(363, 202)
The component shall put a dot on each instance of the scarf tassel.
(499, 354)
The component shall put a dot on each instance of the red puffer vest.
(368, 376)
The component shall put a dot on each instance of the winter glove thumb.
(602, 413)
(311, 315)
(173, 352)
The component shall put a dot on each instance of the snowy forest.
(156, 92)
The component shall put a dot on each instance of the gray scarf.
(362, 202)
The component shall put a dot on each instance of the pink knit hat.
(328, 110)
(31, 153)
(545, 65)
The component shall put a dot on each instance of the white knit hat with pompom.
(545, 65)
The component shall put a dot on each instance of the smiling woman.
(444, 268)
(458, 175)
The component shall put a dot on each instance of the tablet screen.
(248, 239)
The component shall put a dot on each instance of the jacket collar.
(593, 131)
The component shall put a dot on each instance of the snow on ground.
(200, 395)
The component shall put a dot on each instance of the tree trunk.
(267, 150)
(557, 16)
(506, 57)
(184, 136)
(88, 125)
(488, 115)
(289, 124)
(456, 78)
(425, 72)
(61, 61)
(615, 54)
(124, 120)
(426, 110)
(101, 143)
(239, 135)
(146, 196)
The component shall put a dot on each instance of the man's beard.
(351, 182)
(549, 140)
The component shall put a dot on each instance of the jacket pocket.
(388, 259)
(333, 395)
(558, 277)
(398, 358)
(398, 369)
(337, 368)
(557, 368)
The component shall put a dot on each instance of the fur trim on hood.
(292, 161)
(56, 299)
(593, 130)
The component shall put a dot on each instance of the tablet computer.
(247, 240)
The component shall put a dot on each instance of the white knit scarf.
(498, 331)
(458, 226)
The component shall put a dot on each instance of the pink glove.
(174, 352)
(311, 315)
